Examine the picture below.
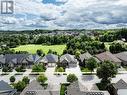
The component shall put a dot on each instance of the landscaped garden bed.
(63, 88)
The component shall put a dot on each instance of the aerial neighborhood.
(82, 62)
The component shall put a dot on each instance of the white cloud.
(31, 14)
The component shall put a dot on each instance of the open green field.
(33, 48)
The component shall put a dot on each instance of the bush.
(26, 80)
(20, 69)
(71, 78)
(20, 85)
(38, 68)
(59, 69)
(42, 79)
(12, 79)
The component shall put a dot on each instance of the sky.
(65, 14)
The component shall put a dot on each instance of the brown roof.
(107, 56)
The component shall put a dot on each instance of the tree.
(71, 78)
(77, 53)
(20, 85)
(39, 52)
(42, 79)
(106, 71)
(38, 68)
(12, 79)
(91, 64)
(26, 80)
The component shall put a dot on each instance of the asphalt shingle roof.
(35, 87)
(68, 58)
(121, 84)
(50, 58)
(5, 87)
(107, 56)
(122, 56)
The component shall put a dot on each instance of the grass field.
(33, 48)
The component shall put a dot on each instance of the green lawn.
(33, 48)
(85, 69)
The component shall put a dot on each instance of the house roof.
(107, 56)
(5, 87)
(33, 58)
(68, 58)
(121, 84)
(122, 56)
(18, 58)
(74, 89)
(85, 56)
(50, 58)
(15, 58)
(35, 87)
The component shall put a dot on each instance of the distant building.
(107, 56)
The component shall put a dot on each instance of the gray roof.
(35, 87)
(15, 58)
(74, 89)
(122, 56)
(121, 84)
(107, 56)
(18, 58)
(33, 58)
(6, 88)
(50, 58)
(69, 58)
(85, 56)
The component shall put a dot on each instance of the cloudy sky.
(66, 14)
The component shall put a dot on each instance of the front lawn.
(63, 88)
(85, 69)
(45, 48)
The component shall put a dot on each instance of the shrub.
(71, 78)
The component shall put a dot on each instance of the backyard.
(45, 48)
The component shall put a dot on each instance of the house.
(120, 88)
(34, 88)
(68, 60)
(107, 56)
(74, 89)
(18, 59)
(86, 56)
(123, 57)
(50, 60)
(6, 89)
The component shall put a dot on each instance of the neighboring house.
(68, 60)
(18, 59)
(6, 89)
(86, 56)
(50, 60)
(34, 88)
(123, 57)
(107, 56)
(34, 58)
(74, 89)
(120, 88)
